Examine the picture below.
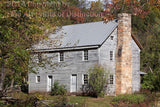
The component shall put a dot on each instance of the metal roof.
(79, 35)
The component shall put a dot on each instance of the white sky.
(93, 0)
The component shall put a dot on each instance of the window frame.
(39, 57)
(112, 37)
(111, 80)
(61, 57)
(85, 55)
(111, 55)
(38, 79)
(84, 79)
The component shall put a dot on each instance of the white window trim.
(83, 78)
(48, 81)
(112, 55)
(83, 55)
(59, 57)
(36, 56)
(110, 79)
(37, 78)
(71, 83)
(37, 60)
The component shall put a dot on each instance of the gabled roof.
(86, 34)
(81, 35)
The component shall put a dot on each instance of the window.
(111, 37)
(85, 55)
(39, 57)
(85, 79)
(38, 79)
(61, 56)
(111, 79)
(111, 55)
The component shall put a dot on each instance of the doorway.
(49, 82)
(74, 83)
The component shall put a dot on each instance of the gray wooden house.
(109, 44)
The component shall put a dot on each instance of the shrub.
(58, 89)
(129, 99)
(151, 81)
(30, 101)
(97, 81)
(2, 103)
(24, 87)
(60, 101)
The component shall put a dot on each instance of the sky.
(93, 0)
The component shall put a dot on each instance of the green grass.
(129, 99)
(90, 101)
(85, 101)
(2, 103)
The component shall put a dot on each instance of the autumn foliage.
(134, 7)
(74, 14)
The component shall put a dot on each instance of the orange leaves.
(75, 14)
(134, 7)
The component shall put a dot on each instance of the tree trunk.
(2, 75)
(12, 82)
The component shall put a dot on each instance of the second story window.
(61, 56)
(111, 55)
(39, 57)
(85, 55)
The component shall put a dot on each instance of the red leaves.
(133, 7)
(75, 14)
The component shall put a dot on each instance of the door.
(74, 83)
(50, 83)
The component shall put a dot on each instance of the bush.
(58, 89)
(97, 81)
(129, 99)
(24, 87)
(151, 81)
(60, 101)
(30, 101)
(2, 103)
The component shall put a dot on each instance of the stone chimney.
(123, 73)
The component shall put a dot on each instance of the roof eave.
(137, 42)
(66, 49)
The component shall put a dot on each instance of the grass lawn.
(89, 101)
(80, 101)
(85, 101)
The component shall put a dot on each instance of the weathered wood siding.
(135, 67)
(72, 64)
(104, 59)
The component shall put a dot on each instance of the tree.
(134, 7)
(20, 28)
(97, 80)
(75, 15)
(145, 26)
(96, 5)
(151, 81)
